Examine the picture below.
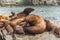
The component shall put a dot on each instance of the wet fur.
(37, 24)
(52, 27)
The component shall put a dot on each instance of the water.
(50, 12)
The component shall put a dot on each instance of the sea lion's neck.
(27, 13)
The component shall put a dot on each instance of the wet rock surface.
(43, 36)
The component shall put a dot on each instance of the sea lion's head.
(28, 10)
(57, 31)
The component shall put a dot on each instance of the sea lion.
(37, 24)
(5, 23)
(52, 27)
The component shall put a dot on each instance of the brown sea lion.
(37, 24)
(5, 23)
(53, 27)
(50, 25)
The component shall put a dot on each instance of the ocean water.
(49, 12)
